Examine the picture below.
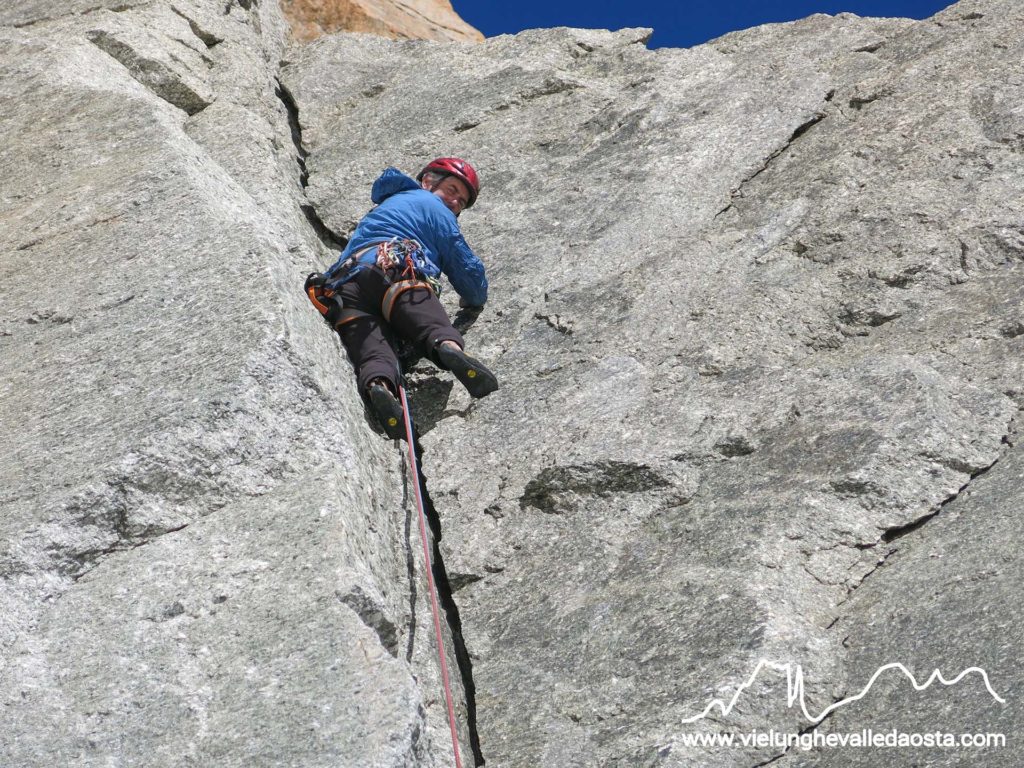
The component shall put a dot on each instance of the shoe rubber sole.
(389, 411)
(473, 374)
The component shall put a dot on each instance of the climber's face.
(453, 193)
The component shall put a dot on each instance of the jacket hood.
(391, 182)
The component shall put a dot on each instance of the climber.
(386, 281)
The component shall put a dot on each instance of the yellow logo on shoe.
(471, 373)
(392, 421)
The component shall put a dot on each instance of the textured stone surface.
(944, 601)
(404, 19)
(207, 557)
(756, 310)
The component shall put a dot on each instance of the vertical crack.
(331, 239)
(410, 563)
(445, 595)
(335, 241)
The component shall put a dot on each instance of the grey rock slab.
(171, 406)
(32, 12)
(945, 600)
(235, 641)
(172, 63)
(754, 312)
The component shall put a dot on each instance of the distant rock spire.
(414, 19)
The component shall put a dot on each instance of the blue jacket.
(407, 211)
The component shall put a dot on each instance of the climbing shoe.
(388, 410)
(474, 376)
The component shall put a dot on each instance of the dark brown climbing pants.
(417, 315)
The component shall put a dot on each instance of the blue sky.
(676, 24)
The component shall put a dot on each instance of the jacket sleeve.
(464, 270)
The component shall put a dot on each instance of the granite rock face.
(206, 553)
(756, 311)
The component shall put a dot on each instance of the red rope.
(428, 566)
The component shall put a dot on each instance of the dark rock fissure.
(93, 558)
(153, 76)
(410, 562)
(334, 241)
(898, 532)
(33, 22)
(243, 4)
(112, 9)
(771, 760)
(800, 131)
(296, 130)
(810, 728)
(445, 594)
(208, 39)
(373, 616)
(331, 239)
(554, 321)
(328, 237)
(870, 48)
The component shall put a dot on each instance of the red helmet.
(460, 169)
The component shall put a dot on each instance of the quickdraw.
(406, 254)
(394, 253)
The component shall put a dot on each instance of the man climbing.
(386, 281)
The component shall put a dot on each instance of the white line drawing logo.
(795, 688)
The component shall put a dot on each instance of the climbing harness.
(406, 255)
(401, 262)
(322, 297)
(429, 568)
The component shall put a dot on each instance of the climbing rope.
(429, 567)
